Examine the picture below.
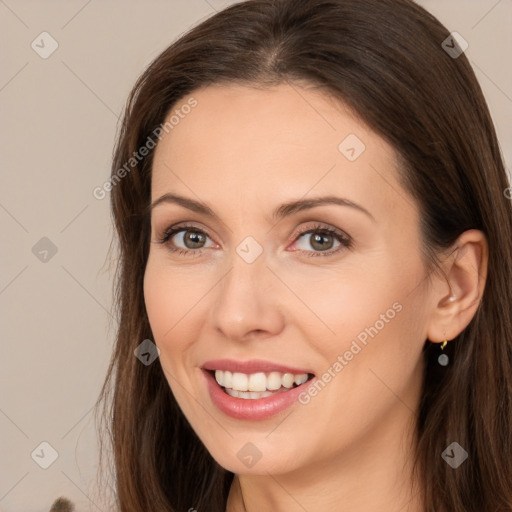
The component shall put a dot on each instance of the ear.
(457, 295)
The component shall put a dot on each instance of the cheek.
(372, 317)
(159, 301)
(172, 301)
(375, 356)
(340, 304)
(169, 295)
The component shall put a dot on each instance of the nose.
(247, 304)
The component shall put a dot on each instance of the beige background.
(58, 122)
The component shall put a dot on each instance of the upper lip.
(252, 366)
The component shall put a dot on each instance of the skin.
(244, 151)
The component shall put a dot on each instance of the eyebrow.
(280, 212)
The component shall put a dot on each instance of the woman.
(315, 278)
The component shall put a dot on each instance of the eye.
(191, 237)
(322, 239)
(193, 240)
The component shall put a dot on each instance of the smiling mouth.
(258, 385)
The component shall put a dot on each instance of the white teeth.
(257, 383)
(274, 381)
(300, 379)
(288, 379)
(240, 381)
(248, 395)
(228, 379)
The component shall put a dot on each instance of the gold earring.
(443, 359)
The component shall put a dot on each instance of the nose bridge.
(247, 300)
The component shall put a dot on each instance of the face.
(270, 295)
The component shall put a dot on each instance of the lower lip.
(252, 409)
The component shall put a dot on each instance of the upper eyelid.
(184, 227)
(317, 226)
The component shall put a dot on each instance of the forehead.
(255, 146)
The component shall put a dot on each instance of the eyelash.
(345, 240)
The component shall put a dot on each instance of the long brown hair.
(385, 60)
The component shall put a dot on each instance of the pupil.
(194, 237)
